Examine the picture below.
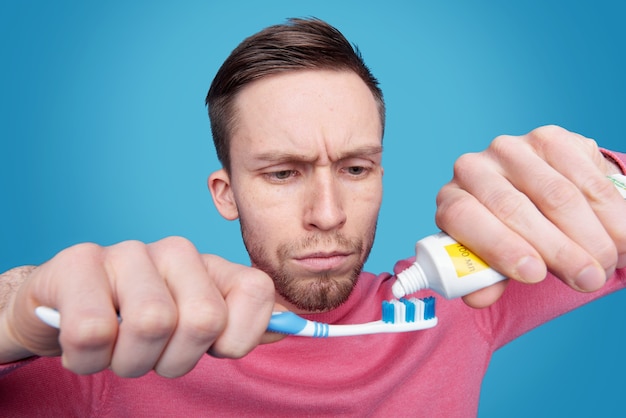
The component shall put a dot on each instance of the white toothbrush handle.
(52, 317)
(49, 316)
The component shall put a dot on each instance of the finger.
(579, 160)
(521, 208)
(272, 337)
(75, 283)
(565, 205)
(201, 308)
(486, 296)
(459, 213)
(147, 309)
(249, 295)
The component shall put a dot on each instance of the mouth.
(320, 262)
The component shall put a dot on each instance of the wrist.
(10, 282)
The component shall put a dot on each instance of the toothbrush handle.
(52, 317)
(48, 316)
(292, 324)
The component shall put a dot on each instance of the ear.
(222, 193)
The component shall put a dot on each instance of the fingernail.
(531, 270)
(590, 278)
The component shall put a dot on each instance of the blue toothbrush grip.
(286, 323)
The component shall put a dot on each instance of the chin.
(318, 294)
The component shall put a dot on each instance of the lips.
(324, 261)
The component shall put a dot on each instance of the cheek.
(365, 204)
(267, 223)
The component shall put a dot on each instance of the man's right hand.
(176, 305)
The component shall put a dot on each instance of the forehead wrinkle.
(314, 116)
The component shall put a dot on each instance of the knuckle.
(466, 164)
(551, 139)
(90, 333)
(592, 146)
(175, 244)
(506, 148)
(607, 256)
(598, 189)
(128, 247)
(506, 205)
(503, 145)
(546, 133)
(260, 286)
(561, 252)
(120, 253)
(545, 137)
(548, 130)
(562, 195)
(450, 208)
(204, 322)
(80, 253)
(153, 323)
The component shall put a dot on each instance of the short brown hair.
(296, 45)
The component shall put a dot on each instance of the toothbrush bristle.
(429, 307)
(388, 312)
(409, 314)
(408, 310)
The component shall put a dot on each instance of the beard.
(314, 292)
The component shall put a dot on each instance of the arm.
(10, 281)
(176, 305)
(543, 203)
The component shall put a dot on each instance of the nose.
(324, 209)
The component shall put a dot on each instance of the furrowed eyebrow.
(277, 157)
(282, 157)
(361, 152)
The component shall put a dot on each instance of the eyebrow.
(282, 157)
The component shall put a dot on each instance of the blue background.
(104, 136)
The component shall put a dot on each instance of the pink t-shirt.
(436, 372)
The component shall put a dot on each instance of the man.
(298, 122)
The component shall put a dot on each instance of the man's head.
(301, 147)
(297, 45)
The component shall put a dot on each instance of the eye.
(356, 170)
(281, 175)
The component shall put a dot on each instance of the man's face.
(305, 182)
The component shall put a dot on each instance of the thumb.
(272, 337)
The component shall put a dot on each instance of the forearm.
(10, 282)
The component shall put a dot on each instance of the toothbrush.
(397, 316)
